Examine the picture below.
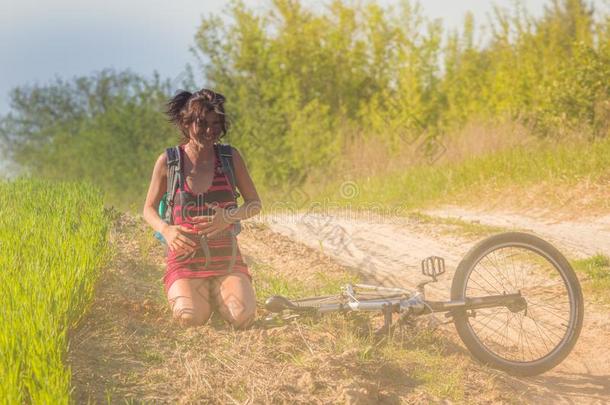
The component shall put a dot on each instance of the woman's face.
(206, 129)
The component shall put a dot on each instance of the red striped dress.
(187, 205)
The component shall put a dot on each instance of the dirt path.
(578, 237)
(388, 250)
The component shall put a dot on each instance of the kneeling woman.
(197, 282)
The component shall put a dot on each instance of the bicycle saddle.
(277, 303)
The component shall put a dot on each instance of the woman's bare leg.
(235, 299)
(189, 299)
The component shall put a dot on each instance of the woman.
(204, 205)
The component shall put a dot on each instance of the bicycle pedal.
(433, 266)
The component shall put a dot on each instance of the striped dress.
(187, 205)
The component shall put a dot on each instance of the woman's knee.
(189, 302)
(189, 317)
(240, 315)
(244, 320)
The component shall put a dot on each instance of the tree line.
(301, 84)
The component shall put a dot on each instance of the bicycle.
(523, 321)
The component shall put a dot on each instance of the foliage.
(301, 85)
(108, 129)
(380, 69)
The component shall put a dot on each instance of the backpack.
(174, 181)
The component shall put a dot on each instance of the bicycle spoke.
(550, 327)
(491, 329)
(534, 305)
(513, 335)
(491, 285)
(540, 332)
(500, 272)
(483, 288)
(512, 260)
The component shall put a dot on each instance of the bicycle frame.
(416, 304)
(400, 300)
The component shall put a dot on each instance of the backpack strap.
(174, 179)
(226, 158)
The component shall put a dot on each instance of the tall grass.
(53, 241)
(414, 186)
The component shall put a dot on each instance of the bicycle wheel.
(527, 340)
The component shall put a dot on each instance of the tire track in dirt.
(388, 251)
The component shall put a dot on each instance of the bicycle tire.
(473, 341)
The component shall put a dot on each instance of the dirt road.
(388, 250)
(577, 237)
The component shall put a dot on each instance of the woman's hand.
(211, 225)
(178, 240)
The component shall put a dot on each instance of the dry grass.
(567, 200)
(563, 197)
(480, 138)
(128, 350)
(484, 165)
(363, 156)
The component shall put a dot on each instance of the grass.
(458, 226)
(596, 270)
(559, 165)
(272, 282)
(53, 245)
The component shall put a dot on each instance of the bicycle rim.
(532, 335)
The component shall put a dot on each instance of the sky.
(41, 40)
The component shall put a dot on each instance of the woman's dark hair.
(185, 107)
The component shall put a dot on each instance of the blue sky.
(40, 40)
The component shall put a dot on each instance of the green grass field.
(53, 238)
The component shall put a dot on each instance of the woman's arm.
(174, 234)
(156, 189)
